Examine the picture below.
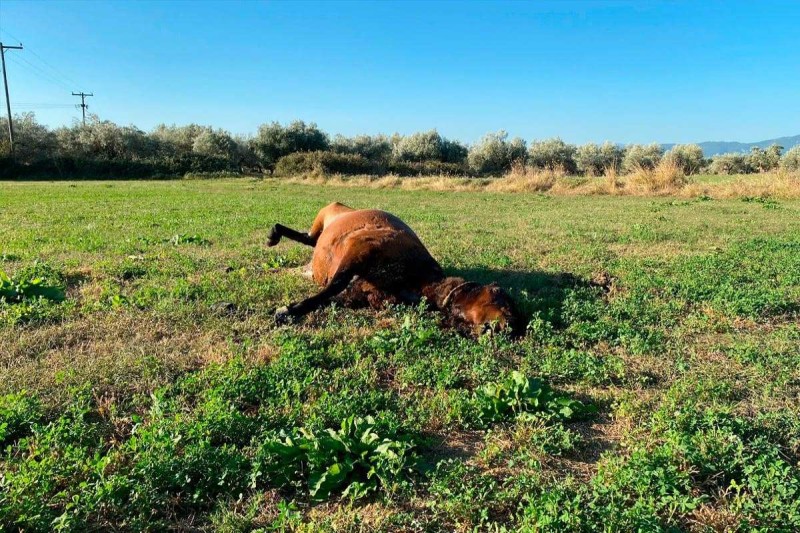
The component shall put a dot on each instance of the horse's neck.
(437, 291)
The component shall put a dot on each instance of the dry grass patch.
(523, 178)
(132, 353)
(665, 178)
(779, 184)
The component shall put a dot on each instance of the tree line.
(102, 149)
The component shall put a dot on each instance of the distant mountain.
(725, 147)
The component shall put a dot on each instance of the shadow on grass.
(536, 291)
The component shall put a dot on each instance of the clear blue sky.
(585, 71)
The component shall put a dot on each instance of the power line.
(3, 49)
(58, 74)
(38, 71)
(41, 104)
(30, 107)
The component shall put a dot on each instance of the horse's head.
(479, 309)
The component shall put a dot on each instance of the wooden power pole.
(3, 49)
(83, 96)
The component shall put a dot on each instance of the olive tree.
(593, 159)
(495, 153)
(178, 139)
(791, 159)
(376, 148)
(646, 156)
(552, 154)
(274, 141)
(731, 164)
(216, 143)
(34, 142)
(764, 160)
(688, 157)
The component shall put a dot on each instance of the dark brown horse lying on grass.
(370, 257)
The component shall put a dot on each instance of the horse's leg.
(279, 230)
(303, 307)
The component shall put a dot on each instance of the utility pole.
(83, 96)
(3, 49)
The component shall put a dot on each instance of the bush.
(216, 143)
(177, 138)
(453, 152)
(593, 159)
(421, 146)
(428, 146)
(323, 163)
(730, 164)
(427, 168)
(495, 154)
(688, 157)
(552, 154)
(765, 160)
(640, 156)
(34, 143)
(791, 159)
(377, 148)
(274, 141)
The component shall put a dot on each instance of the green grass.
(656, 389)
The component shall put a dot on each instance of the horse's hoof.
(273, 238)
(282, 316)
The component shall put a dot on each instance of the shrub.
(593, 159)
(453, 152)
(323, 163)
(34, 143)
(104, 139)
(421, 146)
(688, 157)
(427, 168)
(178, 138)
(731, 164)
(552, 154)
(216, 143)
(640, 156)
(791, 159)
(765, 160)
(274, 141)
(495, 154)
(428, 146)
(377, 148)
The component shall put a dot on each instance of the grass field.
(657, 387)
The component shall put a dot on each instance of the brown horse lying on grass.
(371, 257)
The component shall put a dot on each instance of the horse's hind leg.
(303, 307)
(279, 230)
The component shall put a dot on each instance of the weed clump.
(519, 395)
(352, 461)
(31, 295)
